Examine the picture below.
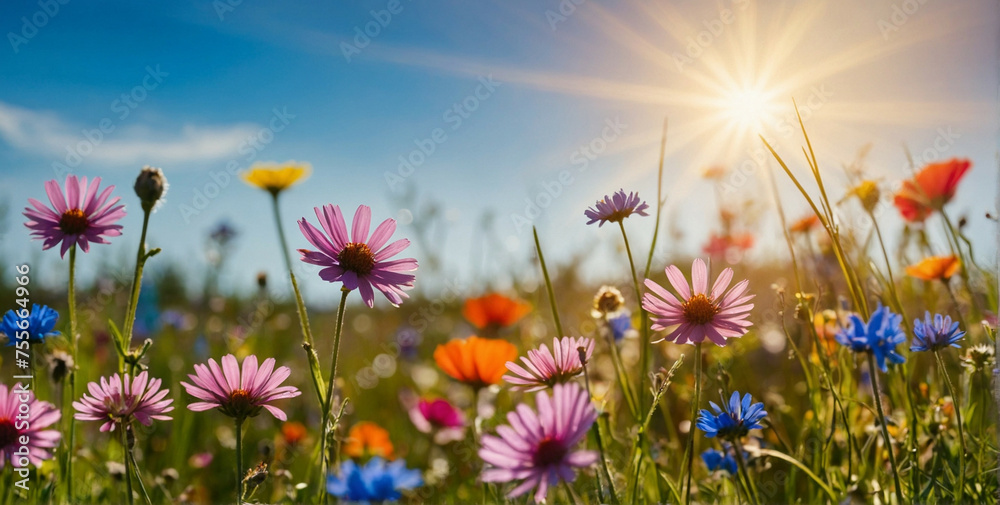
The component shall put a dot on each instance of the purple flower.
(117, 403)
(359, 261)
(40, 415)
(931, 335)
(537, 449)
(616, 208)
(543, 368)
(240, 396)
(79, 217)
(699, 314)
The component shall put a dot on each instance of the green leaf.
(800, 466)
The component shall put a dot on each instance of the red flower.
(730, 247)
(930, 189)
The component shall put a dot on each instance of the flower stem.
(239, 460)
(877, 393)
(128, 472)
(307, 343)
(958, 418)
(600, 440)
(281, 231)
(694, 414)
(133, 301)
(548, 283)
(72, 372)
(644, 342)
(751, 489)
(138, 478)
(324, 429)
(623, 379)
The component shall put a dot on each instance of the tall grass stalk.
(877, 393)
(957, 403)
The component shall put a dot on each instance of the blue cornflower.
(933, 335)
(41, 320)
(377, 481)
(880, 336)
(735, 421)
(620, 325)
(718, 460)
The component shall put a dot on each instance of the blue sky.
(201, 78)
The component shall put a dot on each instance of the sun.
(748, 109)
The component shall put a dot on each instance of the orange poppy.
(930, 189)
(494, 310)
(293, 432)
(475, 361)
(368, 439)
(935, 268)
(805, 224)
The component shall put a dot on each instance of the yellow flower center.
(73, 222)
(357, 257)
(699, 309)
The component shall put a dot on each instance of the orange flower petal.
(368, 439)
(475, 361)
(935, 268)
(494, 309)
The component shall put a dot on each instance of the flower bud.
(150, 187)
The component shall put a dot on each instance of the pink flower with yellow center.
(695, 312)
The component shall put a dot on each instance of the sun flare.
(749, 108)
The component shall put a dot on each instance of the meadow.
(842, 372)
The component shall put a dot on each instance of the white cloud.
(47, 134)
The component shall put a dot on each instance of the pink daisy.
(614, 209)
(697, 313)
(240, 396)
(439, 417)
(12, 427)
(79, 217)
(116, 402)
(359, 261)
(538, 448)
(543, 368)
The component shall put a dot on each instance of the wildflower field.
(854, 362)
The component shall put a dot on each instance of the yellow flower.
(276, 177)
(868, 193)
